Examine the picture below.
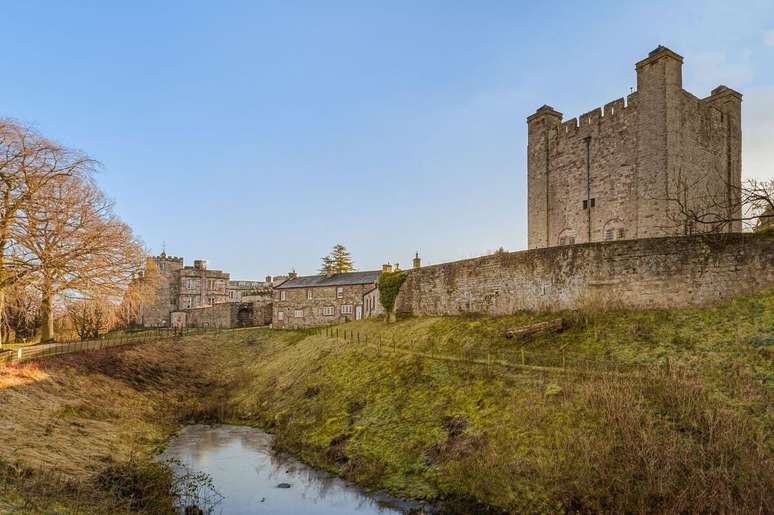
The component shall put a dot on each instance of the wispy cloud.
(768, 38)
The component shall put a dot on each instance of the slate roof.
(345, 279)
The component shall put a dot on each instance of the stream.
(229, 470)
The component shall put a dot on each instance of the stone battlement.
(173, 259)
(612, 112)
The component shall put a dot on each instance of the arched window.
(614, 230)
(567, 237)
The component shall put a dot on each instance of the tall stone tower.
(156, 313)
(618, 171)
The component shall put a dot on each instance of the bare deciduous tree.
(91, 317)
(697, 208)
(79, 245)
(22, 312)
(28, 163)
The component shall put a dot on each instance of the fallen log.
(540, 327)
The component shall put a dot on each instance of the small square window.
(593, 202)
(298, 313)
(308, 294)
(327, 311)
(280, 315)
(339, 292)
(585, 204)
(609, 235)
(621, 234)
(283, 295)
(346, 309)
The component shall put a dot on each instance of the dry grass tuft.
(16, 374)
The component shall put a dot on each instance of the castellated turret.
(615, 172)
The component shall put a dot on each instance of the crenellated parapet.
(171, 259)
(611, 113)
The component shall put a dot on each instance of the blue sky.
(258, 134)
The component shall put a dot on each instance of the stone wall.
(218, 315)
(230, 314)
(261, 312)
(648, 273)
(313, 309)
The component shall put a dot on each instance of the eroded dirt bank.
(675, 416)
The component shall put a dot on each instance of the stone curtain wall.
(261, 312)
(216, 316)
(231, 314)
(650, 273)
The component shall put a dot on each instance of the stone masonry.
(227, 315)
(614, 172)
(184, 288)
(647, 273)
(312, 301)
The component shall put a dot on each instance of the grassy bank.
(654, 411)
(78, 432)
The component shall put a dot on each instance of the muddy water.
(248, 477)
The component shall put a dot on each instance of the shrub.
(144, 486)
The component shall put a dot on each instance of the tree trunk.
(3, 333)
(47, 318)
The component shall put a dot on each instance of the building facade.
(633, 168)
(180, 288)
(372, 306)
(319, 300)
(198, 286)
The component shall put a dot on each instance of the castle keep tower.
(616, 172)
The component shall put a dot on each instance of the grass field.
(653, 411)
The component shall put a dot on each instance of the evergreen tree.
(338, 261)
(328, 266)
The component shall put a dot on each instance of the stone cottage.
(318, 300)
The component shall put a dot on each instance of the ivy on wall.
(389, 285)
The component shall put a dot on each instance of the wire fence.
(506, 353)
(511, 353)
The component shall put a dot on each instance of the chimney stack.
(386, 268)
(417, 261)
(292, 274)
